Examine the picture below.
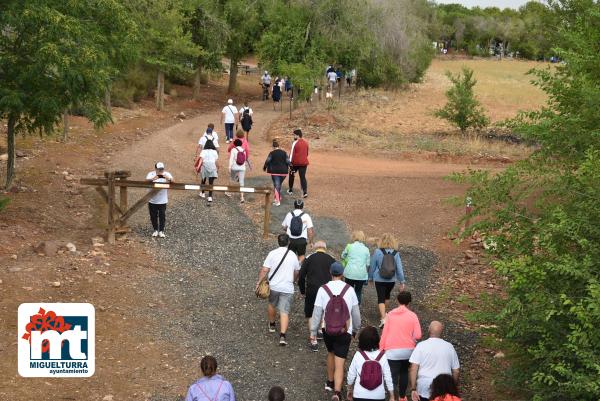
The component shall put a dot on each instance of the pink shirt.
(401, 330)
(245, 146)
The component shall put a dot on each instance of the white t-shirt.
(354, 376)
(209, 158)
(336, 288)
(434, 357)
(161, 197)
(306, 223)
(233, 159)
(283, 281)
(205, 137)
(230, 111)
(243, 108)
(332, 76)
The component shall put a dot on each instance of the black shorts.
(298, 246)
(309, 304)
(384, 290)
(339, 345)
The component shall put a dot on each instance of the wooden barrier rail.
(118, 214)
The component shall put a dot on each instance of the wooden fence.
(120, 212)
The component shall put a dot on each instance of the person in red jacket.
(299, 162)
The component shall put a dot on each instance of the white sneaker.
(161, 234)
(155, 234)
(228, 194)
(202, 195)
(277, 203)
(210, 199)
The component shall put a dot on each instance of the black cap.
(298, 203)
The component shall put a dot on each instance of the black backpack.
(388, 264)
(246, 119)
(296, 225)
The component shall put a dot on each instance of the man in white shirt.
(337, 345)
(332, 78)
(283, 269)
(157, 205)
(429, 359)
(266, 84)
(229, 117)
(305, 233)
(208, 135)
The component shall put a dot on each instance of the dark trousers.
(210, 182)
(358, 286)
(399, 370)
(302, 172)
(157, 215)
(277, 181)
(229, 131)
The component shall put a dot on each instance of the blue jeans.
(357, 285)
(229, 131)
(277, 181)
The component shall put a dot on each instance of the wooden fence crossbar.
(118, 214)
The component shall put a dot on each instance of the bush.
(3, 203)
(137, 83)
(462, 109)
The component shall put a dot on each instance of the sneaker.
(277, 203)
(290, 192)
(336, 397)
(202, 195)
(381, 323)
(329, 385)
(242, 200)
(314, 347)
(155, 234)
(209, 199)
(282, 340)
(161, 234)
(320, 336)
(228, 194)
(305, 195)
(272, 327)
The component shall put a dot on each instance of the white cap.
(159, 165)
(230, 101)
(266, 72)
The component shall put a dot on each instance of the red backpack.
(336, 313)
(240, 158)
(371, 374)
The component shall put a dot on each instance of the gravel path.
(217, 251)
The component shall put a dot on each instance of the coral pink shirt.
(446, 397)
(401, 330)
(245, 146)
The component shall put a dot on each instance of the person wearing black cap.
(157, 205)
(299, 227)
(337, 345)
(299, 162)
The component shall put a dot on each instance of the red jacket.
(299, 153)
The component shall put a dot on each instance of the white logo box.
(78, 363)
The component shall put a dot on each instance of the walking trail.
(214, 254)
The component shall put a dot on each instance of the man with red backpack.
(339, 304)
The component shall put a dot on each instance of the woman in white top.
(368, 345)
(208, 170)
(237, 171)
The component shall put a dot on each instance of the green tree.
(164, 43)
(543, 215)
(463, 110)
(55, 54)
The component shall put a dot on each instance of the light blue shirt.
(377, 260)
(206, 389)
(357, 258)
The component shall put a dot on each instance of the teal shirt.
(356, 256)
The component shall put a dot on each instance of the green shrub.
(462, 109)
(133, 86)
(3, 202)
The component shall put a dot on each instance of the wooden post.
(111, 208)
(267, 222)
(123, 198)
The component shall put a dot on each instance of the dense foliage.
(528, 32)
(543, 215)
(463, 110)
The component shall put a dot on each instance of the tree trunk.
(233, 70)
(197, 83)
(160, 91)
(10, 163)
(107, 101)
(66, 125)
